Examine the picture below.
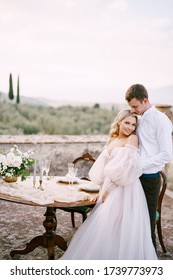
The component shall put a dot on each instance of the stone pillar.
(168, 167)
(167, 110)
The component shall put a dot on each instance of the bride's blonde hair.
(114, 131)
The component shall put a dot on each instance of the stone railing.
(60, 149)
(64, 149)
(168, 110)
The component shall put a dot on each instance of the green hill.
(65, 120)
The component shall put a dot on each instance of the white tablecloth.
(52, 191)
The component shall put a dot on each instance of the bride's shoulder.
(133, 140)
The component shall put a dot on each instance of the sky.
(90, 50)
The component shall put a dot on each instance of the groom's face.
(138, 107)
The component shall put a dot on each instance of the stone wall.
(64, 149)
(60, 149)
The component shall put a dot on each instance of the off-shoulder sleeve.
(96, 173)
(124, 167)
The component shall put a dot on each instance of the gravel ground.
(20, 223)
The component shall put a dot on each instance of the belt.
(152, 175)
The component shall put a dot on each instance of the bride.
(118, 228)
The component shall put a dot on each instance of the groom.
(155, 145)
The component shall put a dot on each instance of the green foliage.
(10, 93)
(18, 96)
(65, 120)
(97, 105)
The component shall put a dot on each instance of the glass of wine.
(46, 166)
(72, 172)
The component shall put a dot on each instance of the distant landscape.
(45, 116)
(21, 119)
(108, 98)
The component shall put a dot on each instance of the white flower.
(18, 152)
(2, 158)
(13, 161)
(25, 155)
(16, 162)
(9, 175)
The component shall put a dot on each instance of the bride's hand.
(95, 198)
(104, 196)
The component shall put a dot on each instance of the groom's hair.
(137, 91)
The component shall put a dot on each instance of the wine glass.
(72, 172)
(41, 174)
(46, 166)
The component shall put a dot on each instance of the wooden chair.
(83, 162)
(83, 210)
(159, 210)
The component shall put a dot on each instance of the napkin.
(90, 187)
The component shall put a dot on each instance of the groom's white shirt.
(155, 140)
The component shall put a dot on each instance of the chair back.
(159, 210)
(162, 191)
(84, 163)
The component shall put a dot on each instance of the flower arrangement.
(15, 163)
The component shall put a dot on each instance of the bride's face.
(127, 126)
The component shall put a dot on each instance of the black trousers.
(151, 187)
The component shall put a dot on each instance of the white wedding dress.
(119, 228)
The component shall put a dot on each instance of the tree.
(10, 93)
(96, 106)
(18, 96)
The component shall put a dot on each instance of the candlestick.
(40, 186)
(34, 176)
(41, 170)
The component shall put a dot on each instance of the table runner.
(53, 191)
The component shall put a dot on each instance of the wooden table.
(49, 239)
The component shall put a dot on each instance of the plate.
(66, 180)
(90, 188)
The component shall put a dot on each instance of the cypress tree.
(18, 96)
(10, 93)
